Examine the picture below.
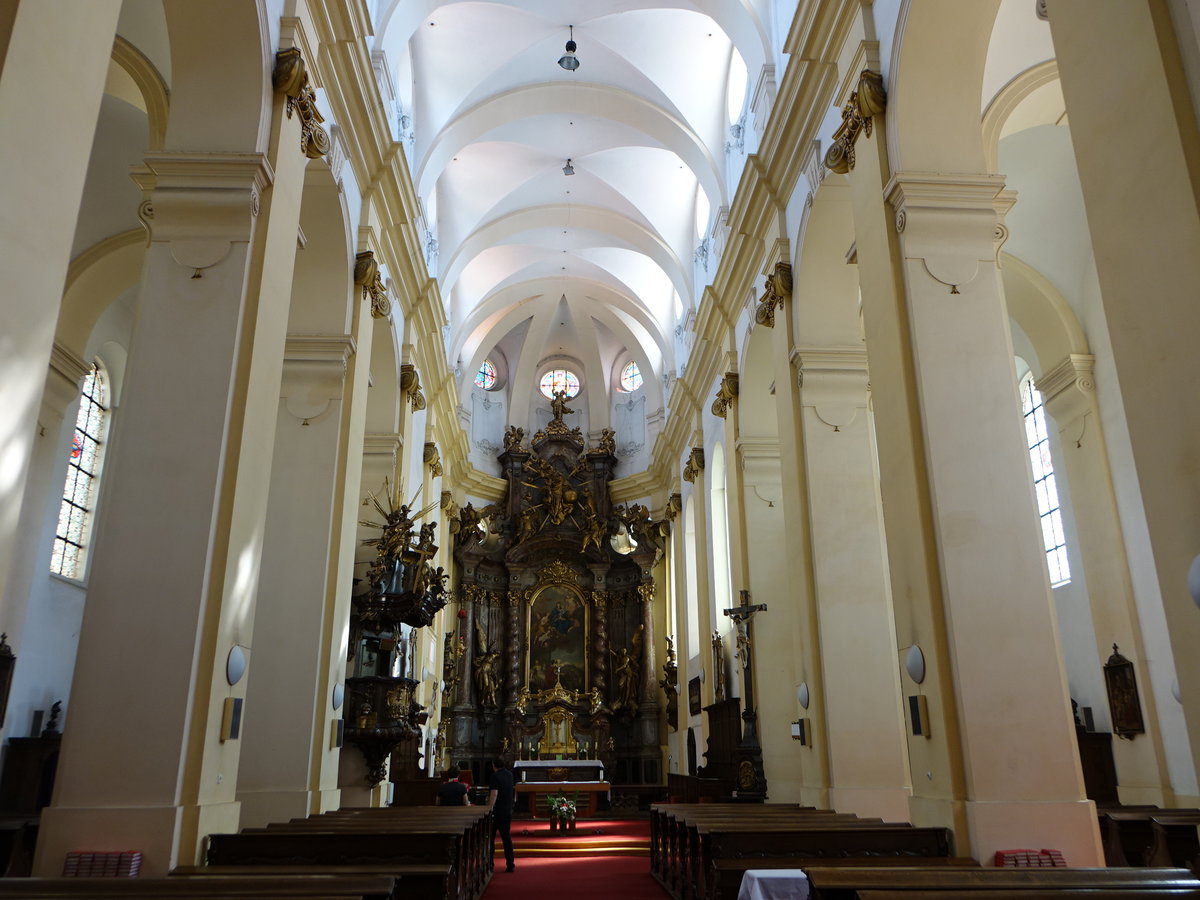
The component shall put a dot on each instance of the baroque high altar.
(552, 655)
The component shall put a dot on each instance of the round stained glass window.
(559, 380)
(631, 377)
(486, 376)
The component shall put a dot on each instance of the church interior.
(772, 401)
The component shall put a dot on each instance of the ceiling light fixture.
(568, 169)
(568, 60)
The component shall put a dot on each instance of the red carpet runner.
(580, 865)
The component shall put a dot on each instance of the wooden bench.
(846, 883)
(726, 876)
(1129, 834)
(1019, 894)
(1175, 841)
(284, 887)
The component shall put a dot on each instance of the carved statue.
(607, 442)
(720, 675)
(513, 437)
(452, 654)
(559, 407)
(627, 669)
(487, 669)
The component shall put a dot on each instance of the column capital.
(1069, 389)
(951, 223)
(63, 378)
(382, 444)
(314, 373)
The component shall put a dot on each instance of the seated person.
(464, 773)
(452, 792)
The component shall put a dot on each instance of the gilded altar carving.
(453, 650)
(512, 438)
(367, 277)
(487, 668)
(627, 668)
(557, 572)
(858, 116)
(670, 684)
(726, 393)
(290, 78)
(777, 291)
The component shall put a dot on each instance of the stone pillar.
(1139, 191)
(301, 583)
(962, 527)
(52, 72)
(1069, 394)
(468, 600)
(175, 566)
(863, 718)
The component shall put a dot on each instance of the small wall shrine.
(553, 653)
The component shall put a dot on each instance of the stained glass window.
(1038, 439)
(631, 377)
(486, 376)
(79, 493)
(559, 380)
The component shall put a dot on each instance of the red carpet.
(588, 878)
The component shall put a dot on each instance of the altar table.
(593, 790)
(774, 884)
(578, 769)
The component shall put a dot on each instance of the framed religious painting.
(694, 696)
(558, 638)
(1123, 702)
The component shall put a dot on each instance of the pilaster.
(858, 701)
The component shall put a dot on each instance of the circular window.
(559, 380)
(486, 376)
(631, 377)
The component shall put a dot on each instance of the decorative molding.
(151, 85)
(695, 465)
(557, 572)
(432, 458)
(858, 117)
(726, 393)
(777, 291)
(367, 277)
(410, 385)
(290, 78)
(68, 364)
(674, 507)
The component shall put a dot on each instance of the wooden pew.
(1128, 834)
(1175, 841)
(411, 880)
(1019, 894)
(726, 875)
(846, 883)
(285, 887)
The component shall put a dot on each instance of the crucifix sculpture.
(751, 779)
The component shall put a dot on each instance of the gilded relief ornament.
(291, 79)
(674, 507)
(858, 117)
(513, 437)
(432, 458)
(695, 465)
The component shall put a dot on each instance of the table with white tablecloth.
(774, 884)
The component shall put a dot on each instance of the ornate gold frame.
(560, 576)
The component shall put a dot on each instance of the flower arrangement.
(562, 808)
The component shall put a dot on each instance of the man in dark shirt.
(452, 792)
(500, 800)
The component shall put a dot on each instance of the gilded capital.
(777, 291)
(695, 465)
(858, 116)
(726, 394)
(290, 78)
(367, 277)
(410, 385)
(432, 458)
(674, 507)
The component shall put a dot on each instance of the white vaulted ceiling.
(644, 120)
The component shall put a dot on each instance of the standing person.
(500, 801)
(452, 792)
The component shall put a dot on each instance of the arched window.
(83, 470)
(486, 377)
(1038, 439)
(631, 377)
(559, 380)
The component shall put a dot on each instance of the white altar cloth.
(774, 884)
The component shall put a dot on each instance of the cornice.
(68, 364)
(317, 348)
(936, 190)
(1076, 371)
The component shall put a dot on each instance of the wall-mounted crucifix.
(751, 779)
